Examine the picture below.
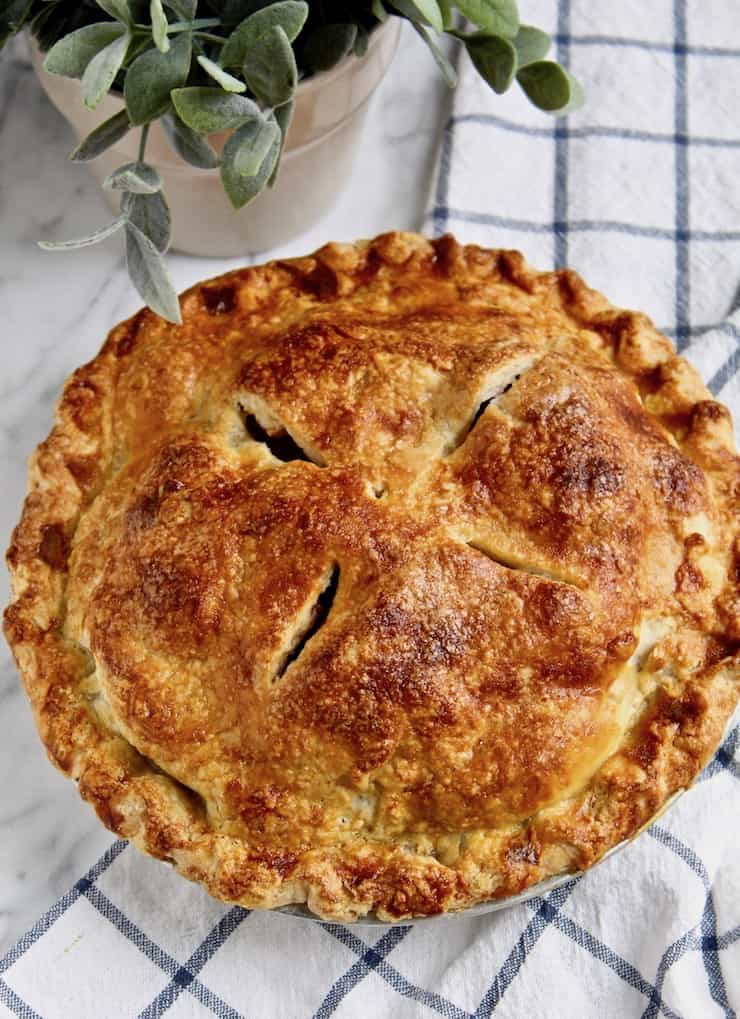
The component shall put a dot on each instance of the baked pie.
(398, 578)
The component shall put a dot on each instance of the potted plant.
(209, 100)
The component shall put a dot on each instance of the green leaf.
(577, 96)
(109, 132)
(207, 110)
(188, 144)
(530, 44)
(117, 9)
(241, 189)
(159, 26)
(184, 9)
(494, 59)
(138, 178)
(257, 138)
(151, 214)
(550, 87)
(283, 116)
(425, 12)
(151, 78)
(361, 42)
(140, 44)
(102, 69)
(227, 81)
(148, 274)
(499, 17)
(447, 18)
(379, 11)
(270, 68)
(448, 71)
(245, 40)
(84, 242)
(71, 55)
(327, 45)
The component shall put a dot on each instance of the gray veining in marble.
(55, 310)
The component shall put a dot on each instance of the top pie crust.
(400, 577)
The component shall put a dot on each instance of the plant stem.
(210, 38)
(142, 141)
(187, 26)
(182, 26)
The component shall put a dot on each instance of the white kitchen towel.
(640, 190)
(641, 193)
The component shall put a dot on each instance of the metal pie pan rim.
(300, 911)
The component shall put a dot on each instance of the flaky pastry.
(398, 578)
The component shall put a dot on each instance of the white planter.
(315, 168)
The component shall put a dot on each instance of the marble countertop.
(56, 312)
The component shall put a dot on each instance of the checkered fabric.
(653, 931)
(640, 193)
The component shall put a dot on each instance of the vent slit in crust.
(219, 300)
(195, 800)
(318, 616)
(457, 731)
(281, 444)
(496, 386)
(481, 409)
(509, 563)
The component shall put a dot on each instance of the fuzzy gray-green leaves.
(145, 219)
(152, 76)
(448, 71)
(118, 9)
(72, 54)
(107, 134)
(250, 34)
(85, 242)
(270, 70)
(227, 81)
(136, 178)
(499, 17)
(188, 144)
(184, 9)
(550, 87)
(148, 274)
(261, 49)
(151, 214)
(249, 159)
(233, 67)
(147, 228)
(283, 117)
(102, 70)
(500, 47)
(530, 44)
(500, 60)
(495, 60)
(256, 140)
(159, 26)
(210, 110)
(424, 12)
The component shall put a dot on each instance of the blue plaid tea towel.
(640, 193)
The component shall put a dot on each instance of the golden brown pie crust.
(478, 641)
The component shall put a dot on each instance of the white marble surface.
(55, 310)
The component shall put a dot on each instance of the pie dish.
(399, 578)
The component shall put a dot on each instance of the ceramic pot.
(316, 165)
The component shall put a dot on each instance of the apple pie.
(397, 579)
